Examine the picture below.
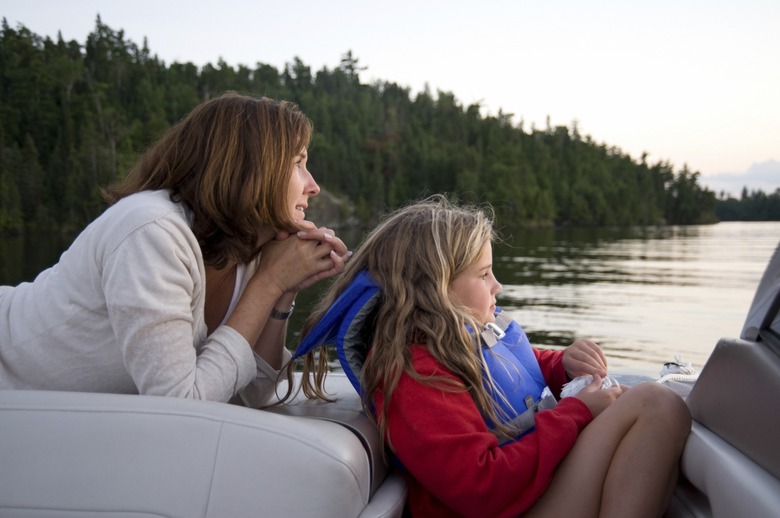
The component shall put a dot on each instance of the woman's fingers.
(304, 258)
(326, 236)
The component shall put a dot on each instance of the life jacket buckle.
(497, 331)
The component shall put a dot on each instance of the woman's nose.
(311, 187)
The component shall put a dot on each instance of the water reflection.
(645, 294)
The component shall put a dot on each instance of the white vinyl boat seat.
(348, 412)
(731, 462)
(66, 454)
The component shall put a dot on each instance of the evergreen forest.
(74, 117)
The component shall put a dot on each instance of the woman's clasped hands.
(296, 261)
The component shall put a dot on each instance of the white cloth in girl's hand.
(580, 382)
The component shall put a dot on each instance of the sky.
(689, 82)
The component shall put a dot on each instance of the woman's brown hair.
(229, 162)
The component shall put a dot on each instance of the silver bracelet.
(279, 315)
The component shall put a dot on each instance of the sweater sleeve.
(443, 442)
(551, 363)
(259, 391)
(151, 281)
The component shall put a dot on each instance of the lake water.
(644, 294)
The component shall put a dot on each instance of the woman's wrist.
(283, 315)
(284, 306)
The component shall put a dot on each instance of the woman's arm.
(287, 264)
(285, 267)
(154, 289)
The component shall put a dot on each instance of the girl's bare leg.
(625, 462)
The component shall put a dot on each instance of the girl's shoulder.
(425, 364)
(421, 354)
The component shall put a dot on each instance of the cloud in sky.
(694, 83)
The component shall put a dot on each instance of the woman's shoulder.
(143, 208)
(147, 214)
(147, 204)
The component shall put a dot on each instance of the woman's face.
(476, 287)
(302, 187)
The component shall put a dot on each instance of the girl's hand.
(596, 398)
(584, 357)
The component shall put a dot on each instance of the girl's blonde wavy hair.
(414, 255)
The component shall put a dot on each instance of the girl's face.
(302, 187)
(476, 287)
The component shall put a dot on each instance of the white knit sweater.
(122, 312)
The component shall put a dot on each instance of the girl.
(182, 287)
(442, 412)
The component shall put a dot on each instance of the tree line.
(74, 117)
(754, 205)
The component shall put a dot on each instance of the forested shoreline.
(74, 117)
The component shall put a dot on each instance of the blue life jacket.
(349, 323)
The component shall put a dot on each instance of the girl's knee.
(664, 405)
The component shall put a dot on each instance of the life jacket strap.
(525, 422)
(495, 331)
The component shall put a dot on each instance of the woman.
(467, 415)
(182, 287)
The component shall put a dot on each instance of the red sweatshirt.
(455, 466)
